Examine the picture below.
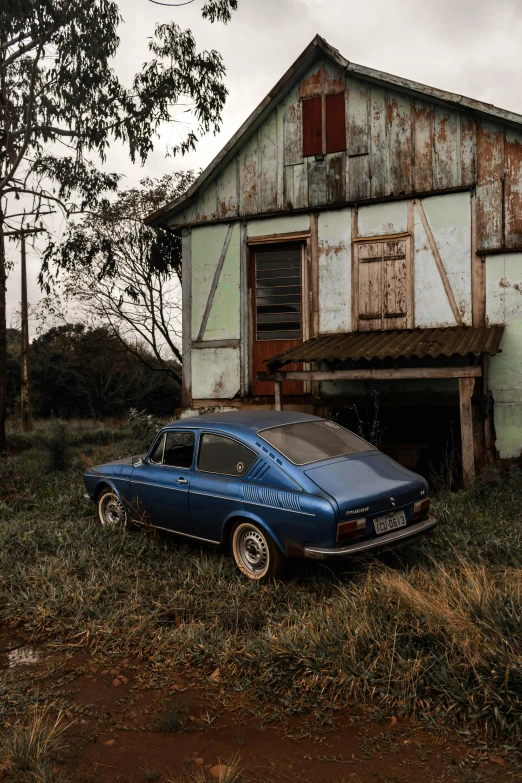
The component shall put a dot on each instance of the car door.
(160, 485)
(216, 486)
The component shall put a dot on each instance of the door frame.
(253, 245)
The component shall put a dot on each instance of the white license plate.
(389, 522)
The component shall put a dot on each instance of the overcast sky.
(472, 48)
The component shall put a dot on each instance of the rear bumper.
(388, 541)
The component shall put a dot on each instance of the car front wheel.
(111, 511)
(255, 553)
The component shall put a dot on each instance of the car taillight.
(352, 529)
(421, 509)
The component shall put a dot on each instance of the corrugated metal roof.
(450, 341)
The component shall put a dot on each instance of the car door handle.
(181, 481)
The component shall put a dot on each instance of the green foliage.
(86, 373)
(58, 445)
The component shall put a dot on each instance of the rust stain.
(442, 134)
(313, 85)
(504, 282)
(326, 249)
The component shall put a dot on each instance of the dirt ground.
(129, 724)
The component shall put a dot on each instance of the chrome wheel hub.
(112, 512)
(252, 550)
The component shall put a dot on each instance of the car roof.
(247, 420)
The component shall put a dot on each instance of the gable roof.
(319, 47)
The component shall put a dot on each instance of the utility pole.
(25, 403)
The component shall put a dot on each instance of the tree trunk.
(3, 337)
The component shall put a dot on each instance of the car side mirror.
(136, 461)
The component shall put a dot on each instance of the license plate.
(389, 522)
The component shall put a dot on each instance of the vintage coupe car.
(271, 485)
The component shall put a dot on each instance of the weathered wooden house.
(361, 232)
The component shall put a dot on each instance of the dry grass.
(29, 751)
(436, 634)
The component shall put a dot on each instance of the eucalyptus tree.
(62, 105)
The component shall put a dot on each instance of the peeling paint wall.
(395, 144)
(381, 219)
(215, 373)
(504, 305)
(449, 218)
(335, 271)
(223, 319)
(289, 224)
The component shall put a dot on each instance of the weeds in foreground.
(174, 716)
(29, 752)
(436, 633)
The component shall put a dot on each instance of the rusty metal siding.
(268, 164)
(399, 116)
(395, 144)
(490, 174)
(378, 144)
(513, 188)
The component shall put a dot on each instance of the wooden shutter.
(395, 285)
(382, 284)
(312, 126)
(335, 123)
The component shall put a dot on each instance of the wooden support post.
(278, 405)
(25, 405)
(466, 386)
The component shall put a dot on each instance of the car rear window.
(312, 441)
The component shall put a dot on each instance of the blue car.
(271, 485)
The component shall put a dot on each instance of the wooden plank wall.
(396, 144)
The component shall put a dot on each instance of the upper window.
(330, 136)
(219, 454)
(175, 449)
(312, 441)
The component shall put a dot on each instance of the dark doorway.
(425, 439)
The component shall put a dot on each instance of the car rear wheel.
(255, 553)
(111, 511)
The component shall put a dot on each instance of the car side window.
(179, 449)
(157, 453)
(219, 454)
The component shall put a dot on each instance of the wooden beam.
(231, 343)
(403, 373)
(296, 236)
(314, 274)
(478, 272)
(438, 261)
(355, 271)
(244, 314)
(186, 322)
(466, 386)
(215, 281)
(277, 396)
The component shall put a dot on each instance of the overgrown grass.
(29, 750)
(435, 632)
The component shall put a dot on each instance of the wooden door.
(382, 284)
(276, 286)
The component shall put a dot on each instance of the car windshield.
(312, 441)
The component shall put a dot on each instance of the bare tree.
(127, 276)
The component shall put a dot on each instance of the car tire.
(111, 511)
(255, 552)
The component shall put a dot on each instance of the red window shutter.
(335, 123)
(312, 126)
